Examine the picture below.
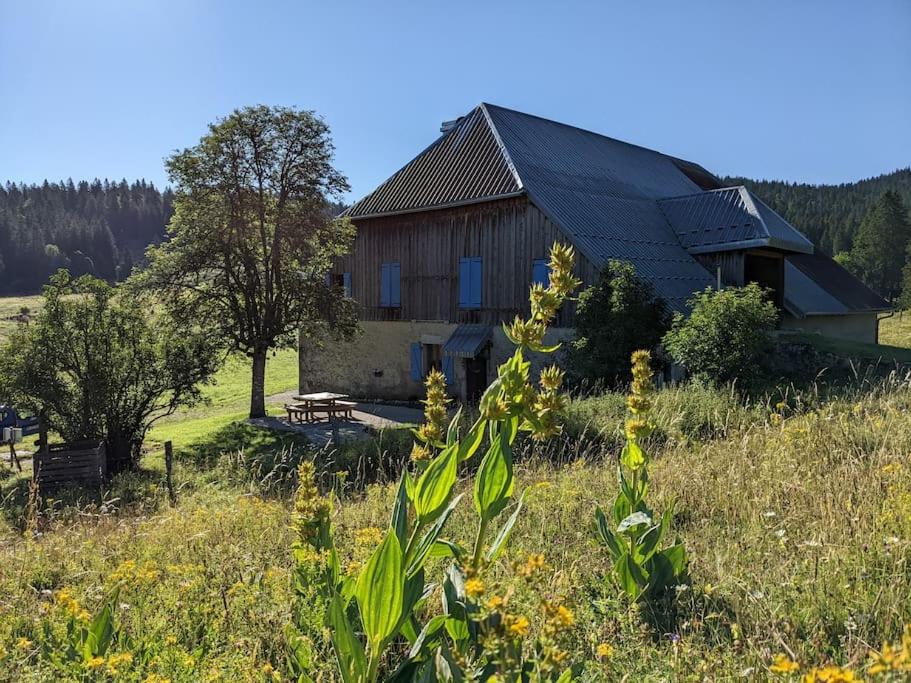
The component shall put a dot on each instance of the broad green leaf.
(666, 568)
(414, 589)
(399, 521)
(606, 535)
(632, 457)
(632, 521)
(676, 555)
(566, 676)
(445, 548)
(100, 632)
(452, 434)
(434, 488)
(472, 440)
(431, 629)
(349, 651)
(622, 508)
(447, 671)
(493, 484)
(380, 590)
(457, 629)
(630, 576)
(499, 543)
(422, 549)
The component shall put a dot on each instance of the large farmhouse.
(447, 247)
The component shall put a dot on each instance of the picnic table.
(310, 406)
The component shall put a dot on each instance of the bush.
(615, 316)
(101, 364)
(725, 335)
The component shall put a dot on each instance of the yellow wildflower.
(155, 678)
(368, 536)
(829, 674)
(637, 428)
(23, 643)
(474, 587)
(496, 410)
(517, 626)
(95, 663)
(532, 565)
(551, 378)
(115, 660)
(783, 665)
(604, 651)
(419, 453)
(495, 602)
(311, 510)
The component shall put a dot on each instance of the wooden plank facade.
(508, 235)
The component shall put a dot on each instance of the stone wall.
(377, 364)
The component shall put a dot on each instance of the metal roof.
(612, 199)
(465, 164)
(814, 284)
(602, 192)
(727, 219)
(467, 341)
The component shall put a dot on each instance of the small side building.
(447, 247)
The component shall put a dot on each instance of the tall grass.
(796, 515)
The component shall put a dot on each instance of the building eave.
(439, 207)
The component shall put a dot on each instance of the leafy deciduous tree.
(252, 239)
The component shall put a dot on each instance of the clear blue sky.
(808, 91)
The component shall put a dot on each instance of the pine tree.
(881, 245)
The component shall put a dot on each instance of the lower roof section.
(814, 284)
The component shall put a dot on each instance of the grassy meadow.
(10, 306)
(795, 512)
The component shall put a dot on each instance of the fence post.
(168, 468)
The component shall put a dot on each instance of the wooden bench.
(308, 412)
(296, 411)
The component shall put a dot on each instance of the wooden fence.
(63, 464)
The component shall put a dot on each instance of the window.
(470, 282)
(390, 285)
(540, 272)
(340, 280)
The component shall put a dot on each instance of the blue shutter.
(449, 369)
(464, 282)
(417, 362)
(540, 272)
(384, 284)
(395, 284)
(475, 299)
(347, 279)
(329, 279)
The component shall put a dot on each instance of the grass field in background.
(228, 400)
(896, 331)
(10, 305)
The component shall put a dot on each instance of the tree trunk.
(258, 393)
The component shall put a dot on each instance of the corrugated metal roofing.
(815, 284)
(602, 192)
(467, 341)
(729, 218)
(466, 164)
(613, 200)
